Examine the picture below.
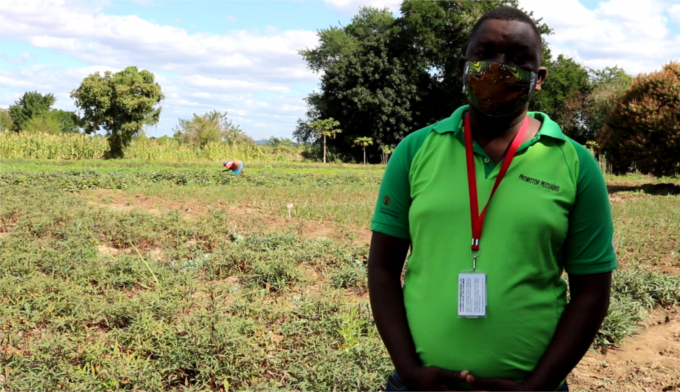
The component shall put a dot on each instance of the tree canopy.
(644, 128)
(33, 113)
(384, 76)
(210, 127)
(121, 103)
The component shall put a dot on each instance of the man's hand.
(430, 378)
(495, 384)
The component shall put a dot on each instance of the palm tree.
(363, 142)
(387, 150)
(325, 128)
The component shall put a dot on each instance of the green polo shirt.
(551, 213)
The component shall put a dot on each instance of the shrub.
(644, 128)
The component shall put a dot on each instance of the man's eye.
(520, 58)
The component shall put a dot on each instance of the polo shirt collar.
(455, 124)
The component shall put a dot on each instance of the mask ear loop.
(532, 84)
(465, 75)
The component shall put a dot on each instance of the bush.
(644, 128)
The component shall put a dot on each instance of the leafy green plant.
(642, 130)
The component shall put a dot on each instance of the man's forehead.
(516, 33)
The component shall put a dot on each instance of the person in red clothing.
(235, 166)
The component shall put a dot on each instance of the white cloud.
(146, 3)
(352, 6)
(630, 34)
(198, 72)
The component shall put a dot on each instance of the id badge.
(471, 294)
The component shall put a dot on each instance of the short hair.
(506, 13)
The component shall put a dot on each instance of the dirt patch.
(119, 201)
(244, 215)
(650, 361)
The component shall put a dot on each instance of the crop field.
(151, 276)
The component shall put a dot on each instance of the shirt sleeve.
(394, 199)
(589, 247)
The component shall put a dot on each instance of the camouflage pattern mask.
(497, 89)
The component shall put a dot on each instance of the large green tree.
(121, 103)
(383, 77)
(643, 130)
(33, 113)
(564, 97)
(32, 104)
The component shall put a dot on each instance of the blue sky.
(242, 56)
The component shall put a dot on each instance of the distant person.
(495, 203)
(235, 166)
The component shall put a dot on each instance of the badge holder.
(472, 292)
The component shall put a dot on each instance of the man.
(483, 304)
(235, 166)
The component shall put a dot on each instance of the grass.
(107, 282)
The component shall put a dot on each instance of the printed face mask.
(497, 89)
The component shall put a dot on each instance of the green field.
(137, 275)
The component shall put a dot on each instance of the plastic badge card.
(472, 295)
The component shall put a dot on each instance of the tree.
(386, 150)
(280, 141)
(207, 128)
(121, 103)
(384, 77)
(325, 128)
(33, 113)
(609, 85)
(564, 97)
(363, 142)
(32, 104)
(644, 127)
(5, 120)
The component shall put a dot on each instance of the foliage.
(101, 292)
(280, 141)
(384, 77)
(644, 128)
(33, 113)
(96, 299)
(608, 85)
(42, 124)
(363, 142)
(209, 127)
(386, 150)
(6, 122)
(78, 146)
(121, 103)
(634, 293)
(325, 128)
(31, 104)
(564, 97)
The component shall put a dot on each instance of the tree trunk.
(364, 155)
(324, 148)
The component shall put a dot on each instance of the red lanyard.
(478, 220)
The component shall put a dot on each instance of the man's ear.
(542, 75)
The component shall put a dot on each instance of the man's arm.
(575, 333)
(385, 263)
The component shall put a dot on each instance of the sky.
(242, 56)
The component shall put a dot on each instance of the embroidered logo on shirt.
(386, 200)
(543, 184)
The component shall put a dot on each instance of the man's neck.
(486, 129)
